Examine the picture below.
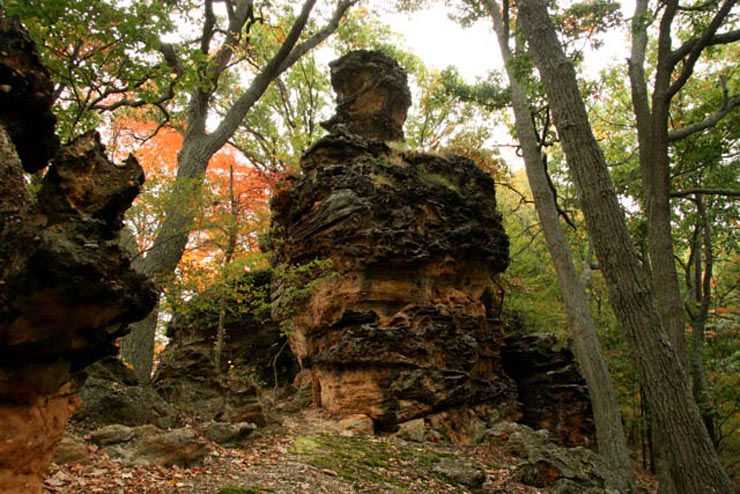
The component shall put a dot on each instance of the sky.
(441, 42)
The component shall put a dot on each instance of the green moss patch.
(366, 460)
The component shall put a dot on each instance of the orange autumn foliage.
(157, 150)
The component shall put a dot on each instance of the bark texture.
(66, 289)
(610, 434)
(693, 466)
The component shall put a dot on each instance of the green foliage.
(586, 19)
(99, 53)
(294, 285)
(492, 94)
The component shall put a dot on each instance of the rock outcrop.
(550, 387)
(402, 320)
(254, 355)
(66, 289)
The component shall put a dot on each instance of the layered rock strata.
(401, 321)
(66, 289)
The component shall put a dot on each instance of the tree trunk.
(693, 465)
(702, 291)
(610, 436)
(652, 137)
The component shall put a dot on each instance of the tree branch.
(707, 123)
(705, 191)
(698, 46)
(717, 39)
(286, 56)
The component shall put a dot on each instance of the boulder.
(112, 395)
(178, 447)
(227, 434)
(71, 449)
(357, 424)
(553, 468)
(460, 472)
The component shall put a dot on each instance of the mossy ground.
(367, 459)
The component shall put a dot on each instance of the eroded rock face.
(404, 321)
(551, 389)
(66, 289)
(372, 96)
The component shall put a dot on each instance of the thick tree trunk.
(610, 435)
(693, 465)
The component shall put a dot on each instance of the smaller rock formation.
(253, 346)
(550, 387)
(254, 355)
(66, 289)
(113, 395)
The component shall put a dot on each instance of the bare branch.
(717, 39)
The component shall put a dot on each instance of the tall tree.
(609, 431)
(692, 463)
(673, 69)
(222, 47)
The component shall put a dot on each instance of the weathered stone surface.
(66, 289)
(71, 449)
(550, 387)
(26, 92)
(405, 324)
(148, 445)
(112, 434)
(178, 447)
(227, 434)
(112, 395)
(372, 96)
(358, 423)
(460, 472)
(553, 468)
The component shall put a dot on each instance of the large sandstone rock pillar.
(66, 289)
(404, 322)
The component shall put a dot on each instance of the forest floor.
(307, 454)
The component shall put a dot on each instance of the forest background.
(219, 99)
